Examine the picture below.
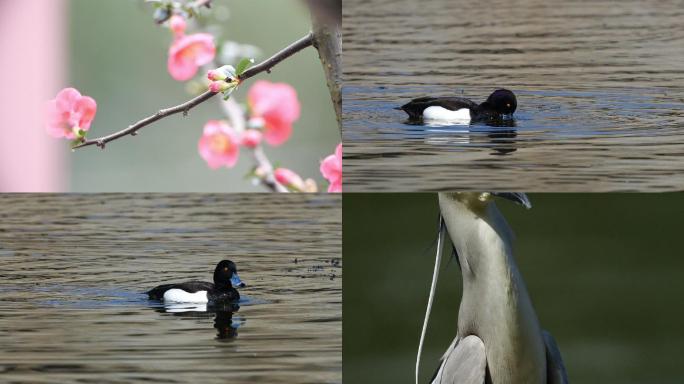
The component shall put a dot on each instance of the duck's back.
(416, 107)
(157, 293)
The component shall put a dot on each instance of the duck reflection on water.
(225, 323)
(499, 135)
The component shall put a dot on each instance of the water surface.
(74, 269)
(600, 88)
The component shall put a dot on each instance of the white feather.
(433, 287)
(176, 295)
(440, 113)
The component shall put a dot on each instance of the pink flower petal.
(66, 98)
(251, 138)
(331, 169)
(67, 111)
(289, 178)
(219, 146)
(278, 133)
(177, 24)
(86, 108)
(335, 187)
(188, 53)
(278, 106)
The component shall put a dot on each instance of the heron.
(499, 339)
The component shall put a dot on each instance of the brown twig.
(264, 66)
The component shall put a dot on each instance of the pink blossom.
(331, 168)
(218, 86)
(294, 182)
(215, 75)
(219, 145)
(288, 178)
(251, 138)
(277, 105)
(188, 53)
(68, 113)
(177, 25)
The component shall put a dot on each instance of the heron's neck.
(483, 241)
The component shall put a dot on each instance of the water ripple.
(600, 95)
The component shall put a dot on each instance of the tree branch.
(264, 66)
(327, 17)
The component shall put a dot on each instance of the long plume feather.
(435, 273)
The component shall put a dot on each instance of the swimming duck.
(499, 104)
(223, 290)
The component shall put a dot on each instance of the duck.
(221, 291)
(500, 104)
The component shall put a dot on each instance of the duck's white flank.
(440, 113)
(180, 296)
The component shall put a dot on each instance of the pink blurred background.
(32, 65)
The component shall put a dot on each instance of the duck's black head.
(226, 276)
(502, 101)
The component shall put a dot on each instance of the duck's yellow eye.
(225, 269)
(508, 105)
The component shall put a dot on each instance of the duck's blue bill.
(236, 282)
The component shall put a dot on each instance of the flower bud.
(216, 75)
(251, 138)
(310, 186)
(289, 179)
(226, 73)
(177, 25)
(260, 172)
(219, 86)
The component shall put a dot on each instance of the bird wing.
(463, 363)
(555, 369)
(416, 107)
(157, 293)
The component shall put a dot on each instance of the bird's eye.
(225, 269)
(508, 105)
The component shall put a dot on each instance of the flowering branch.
(264, 66)
(263, 164)
(166, 10)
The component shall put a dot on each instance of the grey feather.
(465, 362)
(555, 369)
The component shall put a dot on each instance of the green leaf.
(243, 65)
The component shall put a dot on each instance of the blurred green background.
(604, 272)
(118, 56)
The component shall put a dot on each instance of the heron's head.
(477, 201)
(225, 275)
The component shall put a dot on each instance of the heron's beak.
(516, 197)
(236, 282)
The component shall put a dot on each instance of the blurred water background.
(72, 307)
(599, 86)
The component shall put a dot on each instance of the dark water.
(600, 88)
(74, 267)
(604, 272)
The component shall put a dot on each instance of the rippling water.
(600, 88)
(74, 267)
